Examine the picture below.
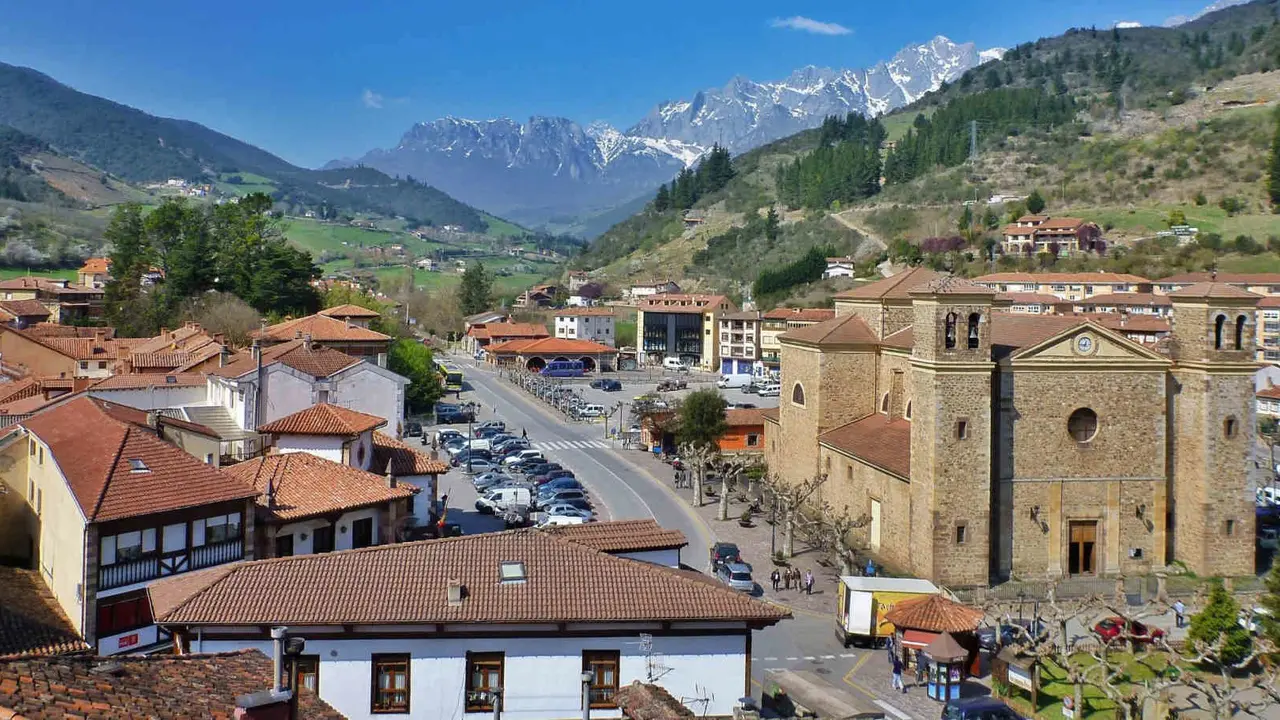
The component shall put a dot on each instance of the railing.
(154, 566)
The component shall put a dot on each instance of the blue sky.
(319, 79)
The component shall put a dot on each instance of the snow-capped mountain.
(551, 169)
(1177, 20)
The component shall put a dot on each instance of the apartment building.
(596, 324)
(1067, 286)
(779, 320)
(681, 326)
(739, 342)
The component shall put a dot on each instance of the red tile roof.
(323, 419)
(143, 419)
(621, 536)
(1015, 231)
(1033, 218)
(316, 360)
(682, 303)
(876, 440)
(739, 417)
(19, 389)
(82, 348)
(1011, 331)
(814, 315)
(1213, 290)
(349, 310)
(93, 450)
(144, 381)
(49, 329)
(128, 687)
(585, 312)
(407, 583)
(31, 620)
(1061, 223)
(551, 346)
(96, 265)
(1082, 278)
(321, 328)
(1027, 298)
(1270, 393)
(515, 330)
(404, 459)
(1232, 278)
(307, 485)
(842, 330)
(1128, 299)
(24, 308)
(934, 613)
(894, 287)
(951, 285)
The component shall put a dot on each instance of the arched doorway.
(536, 364)
(588, 363)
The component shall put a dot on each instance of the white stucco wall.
(341, 540)
(155, 397)
(371, 390)
(60, 555)
(286, 393)
(422, 501)
(328, 447)
(541, 676)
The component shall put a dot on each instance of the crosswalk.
(572, 445)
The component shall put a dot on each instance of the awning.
(918, 639)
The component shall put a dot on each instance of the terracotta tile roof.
(1232, 278)
(646, 701)
(516, 330)
(1270, 393)
(479, 332)
(323, 419)
(876, 440)
(82, 348)
(128, 687)
(1015, 231)
(143, 419)
(738, 417)
(407, 583)
(1213, 290)
(349, 310)
(814, 315)
(143, 381)
(48, 329)
(770, 414)
(620, 536)
(894, 287)
(321, 328)
(93, 450)
(24, 308)
(585, 312)
(159, 360)
(682, 303)
(177, 339)
(25, 406)
(31, 620)
(19, 389)
(951, 285)
(317, 361)
(1083, 278)
(750, 315)
(96, 265)
(307, 485)
(1033, 218)
(1061, 223)
(1011, 331)
(842, 330)
(404, 459)
(1128, 299)
(551, 346)
(1269, 301)
(1026, 298)
(934, 613)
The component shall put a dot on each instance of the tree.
(1273, 169)
(700, 423)
(990, 220)
(662, 202)
(965, 223)
(788, 499)
(412, 359)
(1035, 202)
(475, 294)
(772, 227)
(219, 312)
(124, 299)
(1217, 625)
(1177, 217)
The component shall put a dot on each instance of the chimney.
(391, 479)
(223, 356)
(153, 420)
(306, 341)
(270, 494)
(256, 350)
(265, 705)
(99, 336)
(297, 334)
(456, 593)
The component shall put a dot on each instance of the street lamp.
(471, 418)
(1022, 596)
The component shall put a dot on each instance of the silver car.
(737, 576)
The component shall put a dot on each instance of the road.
(627, 490)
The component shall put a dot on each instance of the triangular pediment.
(1088, 342)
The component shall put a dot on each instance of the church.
(985, 446)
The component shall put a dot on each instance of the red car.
(1109, 629)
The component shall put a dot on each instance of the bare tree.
(700, 457)
(834, 528)
(220, 312)
(789, 498)
(1227, 689)
(731, 470)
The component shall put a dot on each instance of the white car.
(770, 390)
(524, 455)
(568, 511)
(1251, 623)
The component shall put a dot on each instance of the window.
(31, 447)
(484, 680)
(208, 458)
(1229, 528)
(307, 673)
(322, 539)
(390, 684)
(127, 547)
(1240, 332)
(1217, 331)
(284, 545)
(962, 429)
(117, 616)
(974, 319)
(949, 339)
(908, 413)
(848, 473)
(797, 395)
(138, 465)
(753, 440)
(362, 533)
(223, 527)
(962, 532)
(1229, 427)
(84, 364)
(1083, 425)
(603, 667)
(322, 396)
(884, 403)
(102, 364)
(40, 455)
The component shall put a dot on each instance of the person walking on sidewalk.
(786, 578)
(524, 434)
(897, 674)
(808, 582)
(776, 577)
(1179, 613)
(921, 667)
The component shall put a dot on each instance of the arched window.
(950, 338)
(1217, 331)
(974, 319)
(884, 403)
(797, 395)
(1240, 332)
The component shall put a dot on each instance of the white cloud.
(809, 25)
(1127, 25)
(371, 99)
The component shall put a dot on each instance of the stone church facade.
(985, 446)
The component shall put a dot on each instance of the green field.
(501, 228)
(433, 281)
(1209, 219)
(252, 184)
(11, 273)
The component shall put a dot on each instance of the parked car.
(413, 429)
(453, 414)
(724, 553)
(445, 434)
(607, 385)
(590, 410)
(675, 364)
(568, 510)
(978, 708)
(540, 468)
(558, 519)
(484, 481)
(671, 384)
(771, 389)
(477, 465)
(559, 496)
(503, 499)
(472, 455)
(737, 576)
(526, 455)
(1109, 629)
(495, 424)
(740, 406)
(733, 381)
(560, 483)
(561, 473)
(486, 433)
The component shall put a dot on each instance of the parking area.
(579, 392)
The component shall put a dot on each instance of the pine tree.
(1035, 202)
(771, 226)
(1273, 169)
(662, 202)
(475, 294)
(130, 258)
(965, 223)
(1218, 623)
(1270, 601)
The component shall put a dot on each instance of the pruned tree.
(731, 470)
(834, 528)
(699, 458)
(789, 498)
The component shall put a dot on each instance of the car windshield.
(743, 576)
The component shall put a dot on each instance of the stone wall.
(853, 485)
(898, 314)
(797, 440)
(847, 387)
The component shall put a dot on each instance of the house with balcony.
(681, 326)
(739, 335)
(349, 335)
(1032, 234)
(586, 323)
(102, 506)
(474, 626)
(779, 320)
(66, 302)
(1065, 286)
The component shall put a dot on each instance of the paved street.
(627, 484)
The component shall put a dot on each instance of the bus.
(563, 368)
(450, 377)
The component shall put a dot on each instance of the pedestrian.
(897, 674)
(1179, 613)
(524, 434)
(888, 648)
(871, 568)
(793, 578)
(808, 582)
(776, 577)
(921, 668)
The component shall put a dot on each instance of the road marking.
(771, 659)
(792, 659)
(892, 710)
(848, 655)
(828, 657)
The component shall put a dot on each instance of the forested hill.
(139, 147)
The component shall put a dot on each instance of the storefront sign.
(127, 641)
(1020, 677)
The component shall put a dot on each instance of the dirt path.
(872, 240)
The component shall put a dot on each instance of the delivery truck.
(861, 603)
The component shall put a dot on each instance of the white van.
(502, 499)
(733, 381)
(674, 364)
(480, 444)
(524, 455)
(591, 411)
(553, 520)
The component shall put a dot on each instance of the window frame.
(962, 428)
(142, 615)
(378, 661)
(591, 661)
(474, 661)
(300, 664)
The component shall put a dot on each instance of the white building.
(587, 323)
(443, 629)
(152, 391)
(639, 292)
(839, 267)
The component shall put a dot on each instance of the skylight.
(512, 572)
(138, 466)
